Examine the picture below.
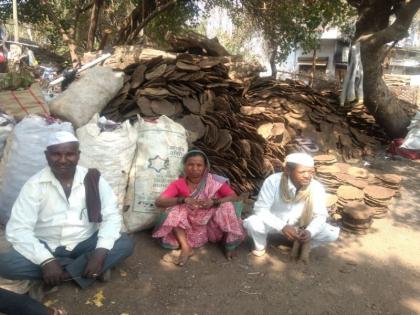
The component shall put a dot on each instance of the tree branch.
(67, 34)
(397, 30)
(88, 7)
(149, 17)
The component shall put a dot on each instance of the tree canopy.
(287, 24)
(283, 23)
(83, 25)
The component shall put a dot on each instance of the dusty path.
(378, 273)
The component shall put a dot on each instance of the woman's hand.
(206, 203)
(193, 203)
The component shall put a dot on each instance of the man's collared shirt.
(43, 213)
(276, 213)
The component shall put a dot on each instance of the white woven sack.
(111, 152)
(161, 145)
(87, 96)
(24, 157)
(412, 139)
(6, 126)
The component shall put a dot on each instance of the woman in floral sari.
(199, 209)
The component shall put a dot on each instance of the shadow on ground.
(332, 284)
(374, 274)
(406, 210)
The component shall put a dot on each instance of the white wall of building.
(327, 48)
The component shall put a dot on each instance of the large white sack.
(24, 156)
(161, 145)
(111, 152)
(6, 126)
(87, 96)
(412, 139)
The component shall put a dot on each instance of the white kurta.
(42, 212)
(272, 214)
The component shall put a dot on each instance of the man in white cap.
(291, 203)
(65, 223)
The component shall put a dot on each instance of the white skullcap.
(60, 137)
(303, 159)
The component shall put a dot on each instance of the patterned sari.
(202, 225)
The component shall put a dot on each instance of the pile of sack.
(137, 159)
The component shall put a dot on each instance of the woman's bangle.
(216, 202)
(180, 200)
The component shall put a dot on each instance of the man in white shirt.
(57, 233)
(292, 204)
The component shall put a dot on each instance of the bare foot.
(184, 256)
(230, 254)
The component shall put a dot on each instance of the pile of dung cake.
(246, 126)
(312, 119)
(354, 195)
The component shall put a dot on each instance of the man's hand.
(304, 236)
(52, 273)
(95, 263)
(290, 232)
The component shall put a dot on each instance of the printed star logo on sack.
(158, 164)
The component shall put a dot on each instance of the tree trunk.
(104, 39)
(67, 34)
(374, 31)
(273, 56)
(72, 47)
(138, 19)
(313, 68)
(93, 24)
(378, 99)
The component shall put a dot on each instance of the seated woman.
(199, 209)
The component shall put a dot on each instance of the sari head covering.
(196, 152)
(206, 173)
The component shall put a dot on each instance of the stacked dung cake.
(343, 178)
(326, 175)
(354, 195)
(357, 217)
(324, 160)
(379, 198)
(390, 181)
(342, 166)
(331, 205)
(346, 194)
(358, 182)
(358, 172)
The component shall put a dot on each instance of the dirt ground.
(377, 273)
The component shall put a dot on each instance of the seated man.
(292, 204)
(64, 225)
